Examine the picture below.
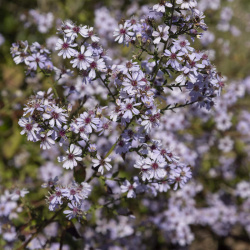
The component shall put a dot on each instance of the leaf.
(80, 173)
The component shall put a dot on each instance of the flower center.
(55, 115)
(173, 56)
(155, 165)
(81, 57)
(122, 31)
(76, 29)
(65, 46)
(28, 127)
(70, 156)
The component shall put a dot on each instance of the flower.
(30, 128)
(187, 4)
(101, 163)
(123, 34)
(73, 155)
(18, 193)
(75, 210)
(83, 59)
(65, 48)
(161, 34)
(130, 188)
(35, 59)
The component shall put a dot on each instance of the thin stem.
(40, 228)
(106, 85)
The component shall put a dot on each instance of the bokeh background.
(228, 46)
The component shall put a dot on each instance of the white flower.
(161, 34)
(123, 34)
(65, 48)
(160, 7)
(187, 4)
(130, 188)
(83, 59)
(18, 193)
(101, 163)
(74, 155)
(30, 128)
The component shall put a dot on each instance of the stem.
(112, 148)
(40, 228)
(106, 85)
(178, 106)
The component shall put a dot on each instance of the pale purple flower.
(88, 122)
(160, 7)
(97, 65)
(123, 33)
(36, 59)
(46, 140)
(66, 48)
(101, 163)
(83, 59)
(161, 34)
(130, 188)
(75, 210)
(18, 193)
(73, 155)
(187, 4)
(174, 57)
(56, 115)
(30, 128)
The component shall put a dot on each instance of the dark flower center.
(76, 29)
(28, 127)
(173, 56)
(155, 165)
(122, 31)
(65, 46)
(87, 120)
(55, 115)
(70, 156)
(81, 57)
(129, 106)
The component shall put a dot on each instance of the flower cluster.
(72, 195)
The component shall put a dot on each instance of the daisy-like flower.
(101, 163)
(97, 65)
(71, 30)
(161, 34)
(129, 109)
(180, 175)
(187, 4)
(83, 59)
(91, 34)
(18, 193)
(30, 128)
(73, 155)
(36, 59)
(123, 34)
(145, 169)
(149, 122)
(75, 210)
(130, 188)
(56, 115)
(132, 84)
(46, 140)
(160, 7)
(156, 166)
(65, 48)
(72, 194)
(88, 122)
(174, 57)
